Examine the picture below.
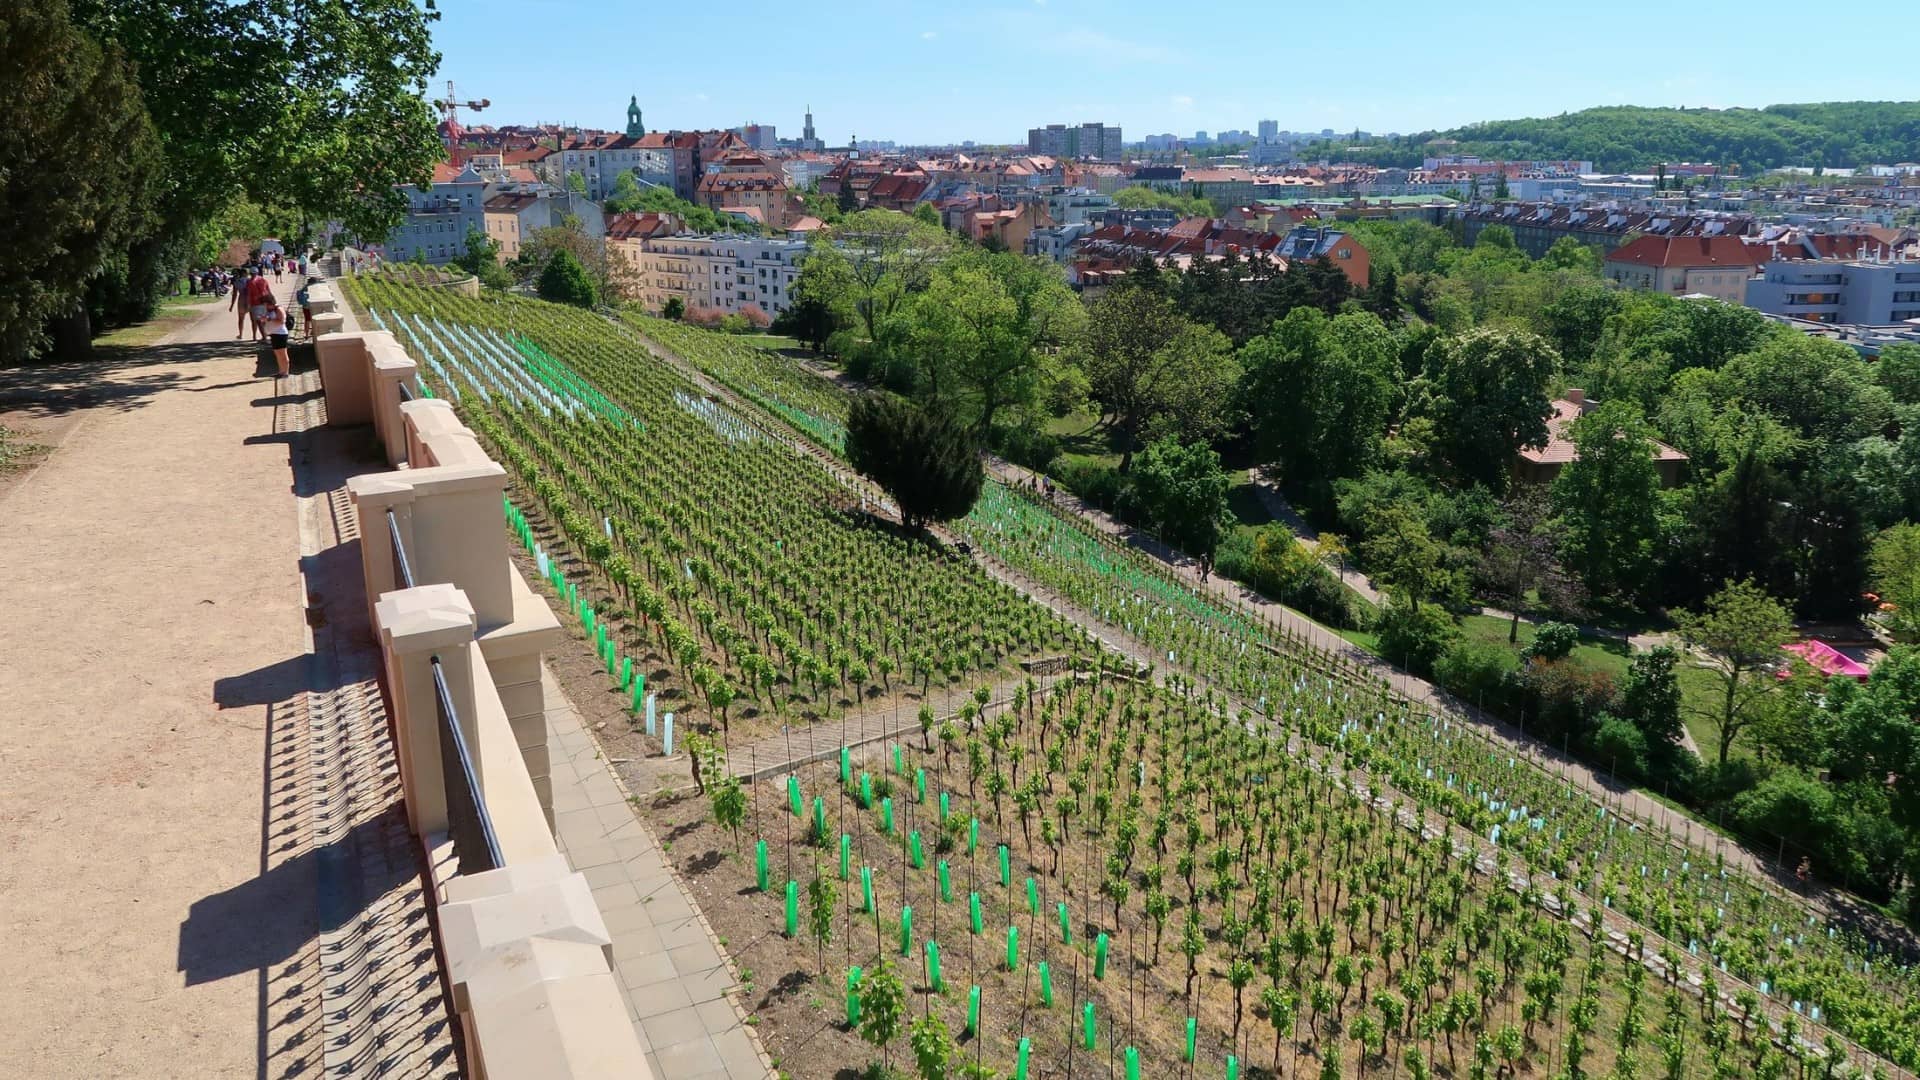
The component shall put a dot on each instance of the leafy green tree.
(1181, 490)
(1819, 389)
(79, 153)
(1147, 366)
(1488, 399)
(1320, 392)
(1608, 499)
(869, 267)
(1898, 371)
(985, 330)
(1413, 633)
(1403, 556)
(575, 183)
(1739, 631)
(674, 309)
(321, 111)
(482, 259)
(920, 456)
(565, 281)
(808, 319)
(1896, 576)
(1650, 696)
(1142, 197)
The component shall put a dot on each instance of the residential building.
(439, 217)
(1308, 242)
(1096, 141)
(1056, 241)
(510, 217)
(723, 273)
(1537, 226)
(743, 181)
(1541, 465)
(1716, 266)
(1071, 206)
(1858, 292)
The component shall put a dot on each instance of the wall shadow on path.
(116, 378)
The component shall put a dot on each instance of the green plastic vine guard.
(886, 814)
(795, 801)
(1233, 1067)
(899, 762)
(973, 1010)
(913, 844)
(1013, 948)
(946, 881)
(933, 968)
(1100, 956)
(973, 835)
(919, 785)
(973, 912)
(793, 909)
(1020, 1063)
(1066, 925)
(1133, 1064)
(820, 818)
(853, 996)
(1006, 866)
(846, 856)
(866, 890)
(760, 865)
(906, 929)
(1046, 985)
(1193, 1036)
(846, 765)
(1033, 897)
(866, 792)
(1089, 1029)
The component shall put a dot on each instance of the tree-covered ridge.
(1620, 137)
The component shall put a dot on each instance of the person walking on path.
(306, 310)
(274, 322)
(259, 298)
(239, 303)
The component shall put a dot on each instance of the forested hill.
(1622, 137)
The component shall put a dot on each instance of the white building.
(722, 272)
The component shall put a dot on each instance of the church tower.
(807, 141)
(635, 128)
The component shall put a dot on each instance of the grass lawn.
(774, 341)
(1083, 439)
(1600, 653)
(173, 313)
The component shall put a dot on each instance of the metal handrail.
(402, 570)
(475, 843)
(406, 393)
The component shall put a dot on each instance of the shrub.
(1620, 746)
(1568, 696)
(1554, 641)
(1477, 671)
(922, 458)
(674, 309)
(1102, 485)
(1414, 633)
(565, 281)
(756, 316)
(1026, 445)
(735, 324)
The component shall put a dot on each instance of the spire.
(635, 128)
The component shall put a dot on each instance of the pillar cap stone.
(425, 618)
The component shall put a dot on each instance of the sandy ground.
(153, 640)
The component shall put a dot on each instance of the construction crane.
(450, 107)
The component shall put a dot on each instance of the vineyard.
(1263, 862)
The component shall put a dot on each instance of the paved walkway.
(197, 865)
(680, 989)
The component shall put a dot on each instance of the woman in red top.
(259, 299)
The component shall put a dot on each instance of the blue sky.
(922, 72)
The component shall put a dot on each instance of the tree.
(575, 183)
(920, 456)
(612, 274)
(1520, 558)
(565, 281)
(1413, 633)
(846, 202)
(1146, 365)
(1321, 392)
(79, 153)
(1740, 630)
(871, 265)
(984, 331)
(1899, 372)
(883, 1003)
(1896, 575)
(1650, 696)
(808, 319)
(1181, 490)
(1608, 498)
(319, 110)
(674, 309)
(482, 259)
(1488, 399)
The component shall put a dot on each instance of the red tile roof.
(1560, 448)
(1669, 252)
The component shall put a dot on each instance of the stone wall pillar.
(416, 627)
(345, 372)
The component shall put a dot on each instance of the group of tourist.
(254, 303)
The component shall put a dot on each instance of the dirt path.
(162, 894)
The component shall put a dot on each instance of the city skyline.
(989, 74)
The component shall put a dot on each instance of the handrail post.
(415, 626)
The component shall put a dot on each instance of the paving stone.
(665, 1000)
